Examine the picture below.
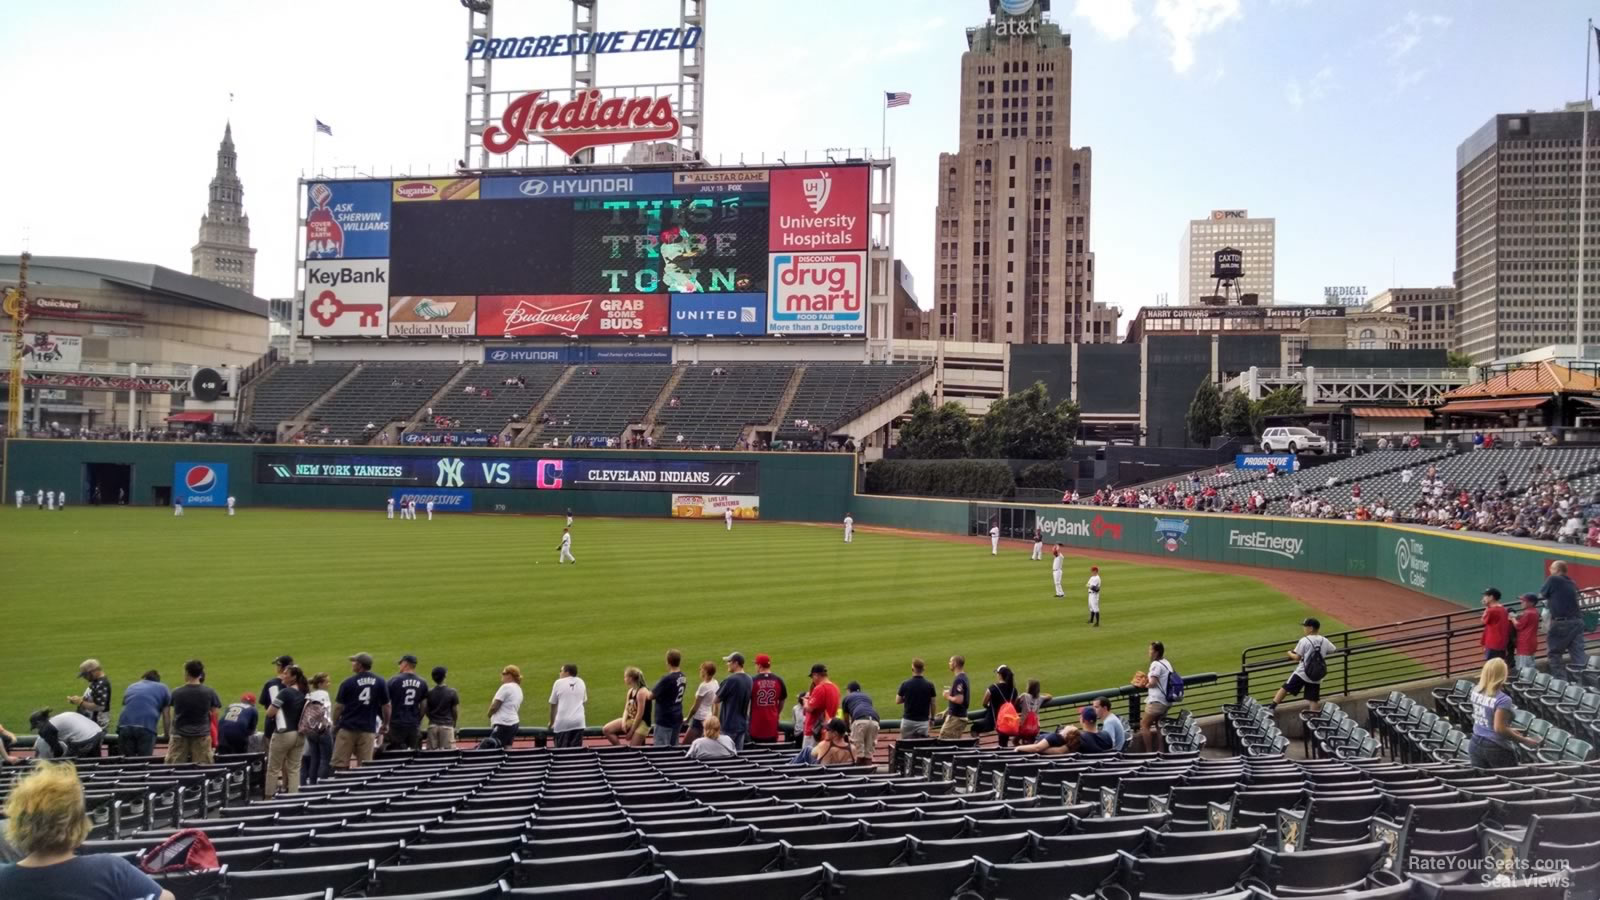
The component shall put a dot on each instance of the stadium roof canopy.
(45, 272)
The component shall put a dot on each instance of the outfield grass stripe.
(138, 588)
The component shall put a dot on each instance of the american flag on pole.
(896, 98)
(323, 128)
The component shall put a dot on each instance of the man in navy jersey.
(270, 690)
(362, 699)
(408, 695)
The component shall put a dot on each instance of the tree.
(1236, 419)
(1204, 420)
(1455, 359)
(1025, 425)
(1285, 401)
(935, 432)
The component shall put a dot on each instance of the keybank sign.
(1061, 527)
(1263, 542)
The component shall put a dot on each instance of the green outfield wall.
(805, 487)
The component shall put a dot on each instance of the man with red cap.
(767, 694)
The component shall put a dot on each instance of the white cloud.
(1315, 88)
(1187, 20)
(1403, 36)
(1114, 19)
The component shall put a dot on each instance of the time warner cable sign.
(426, 470)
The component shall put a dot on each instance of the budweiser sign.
(589, 119)
(621, 315)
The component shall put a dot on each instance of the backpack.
(1007, 721)
(1029, 727)
(1174, 688)
(1316, 666)
(313, 719)
(186, 850)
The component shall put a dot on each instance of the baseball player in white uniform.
(1055, 569)
(849, 528)
(177, 507)
(566, 548)
(50, 500)
(38, 498)
(391, 507)
(1038, 544)
(230, 505)
(994, 540)
(430, 510)
(727, 518)
(411, 510)
(20, 495)
(1094, 595)
(61, 500)
(569, 518)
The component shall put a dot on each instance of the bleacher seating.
(830, 393)
(650, 823)
(600, 401)
(713, 409)
(284, 391)
(378, 394)
(504, 404)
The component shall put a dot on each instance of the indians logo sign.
(1171, 533)
(589, 119)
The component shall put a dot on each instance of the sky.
(1339, 118)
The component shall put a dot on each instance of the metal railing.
(1438, 646)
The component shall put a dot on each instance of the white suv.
(1293, 440)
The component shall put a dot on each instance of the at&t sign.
(1017, 18)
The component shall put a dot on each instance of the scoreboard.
(700, 251)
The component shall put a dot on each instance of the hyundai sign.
(559, 187)
(719, 314)
(200, 484)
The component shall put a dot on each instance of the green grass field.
(139, 589)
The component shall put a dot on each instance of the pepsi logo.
(200, 479)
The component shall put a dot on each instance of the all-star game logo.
(1171, 533)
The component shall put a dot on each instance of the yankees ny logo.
(817, 190)
(450, 472)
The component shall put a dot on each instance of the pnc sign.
(589, 119)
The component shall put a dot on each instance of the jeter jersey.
(406, 693)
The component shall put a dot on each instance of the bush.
(1043, 475)
(941, 478)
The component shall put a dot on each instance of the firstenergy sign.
(1265, 542)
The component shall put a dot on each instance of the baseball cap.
(1087, 714)
(364, 658)
(1530, 599)
(1311, 622)
(763, 660)
(439, 672)
(284, 660)
(408, 658)
(735, 656)
(819, 669)
(248, 698)
(1492, 592)
(87, 666)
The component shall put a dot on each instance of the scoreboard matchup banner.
(525, 473)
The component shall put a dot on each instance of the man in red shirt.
(822, 704)
(767, 694)
(1528, 633)
(1496, 627)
